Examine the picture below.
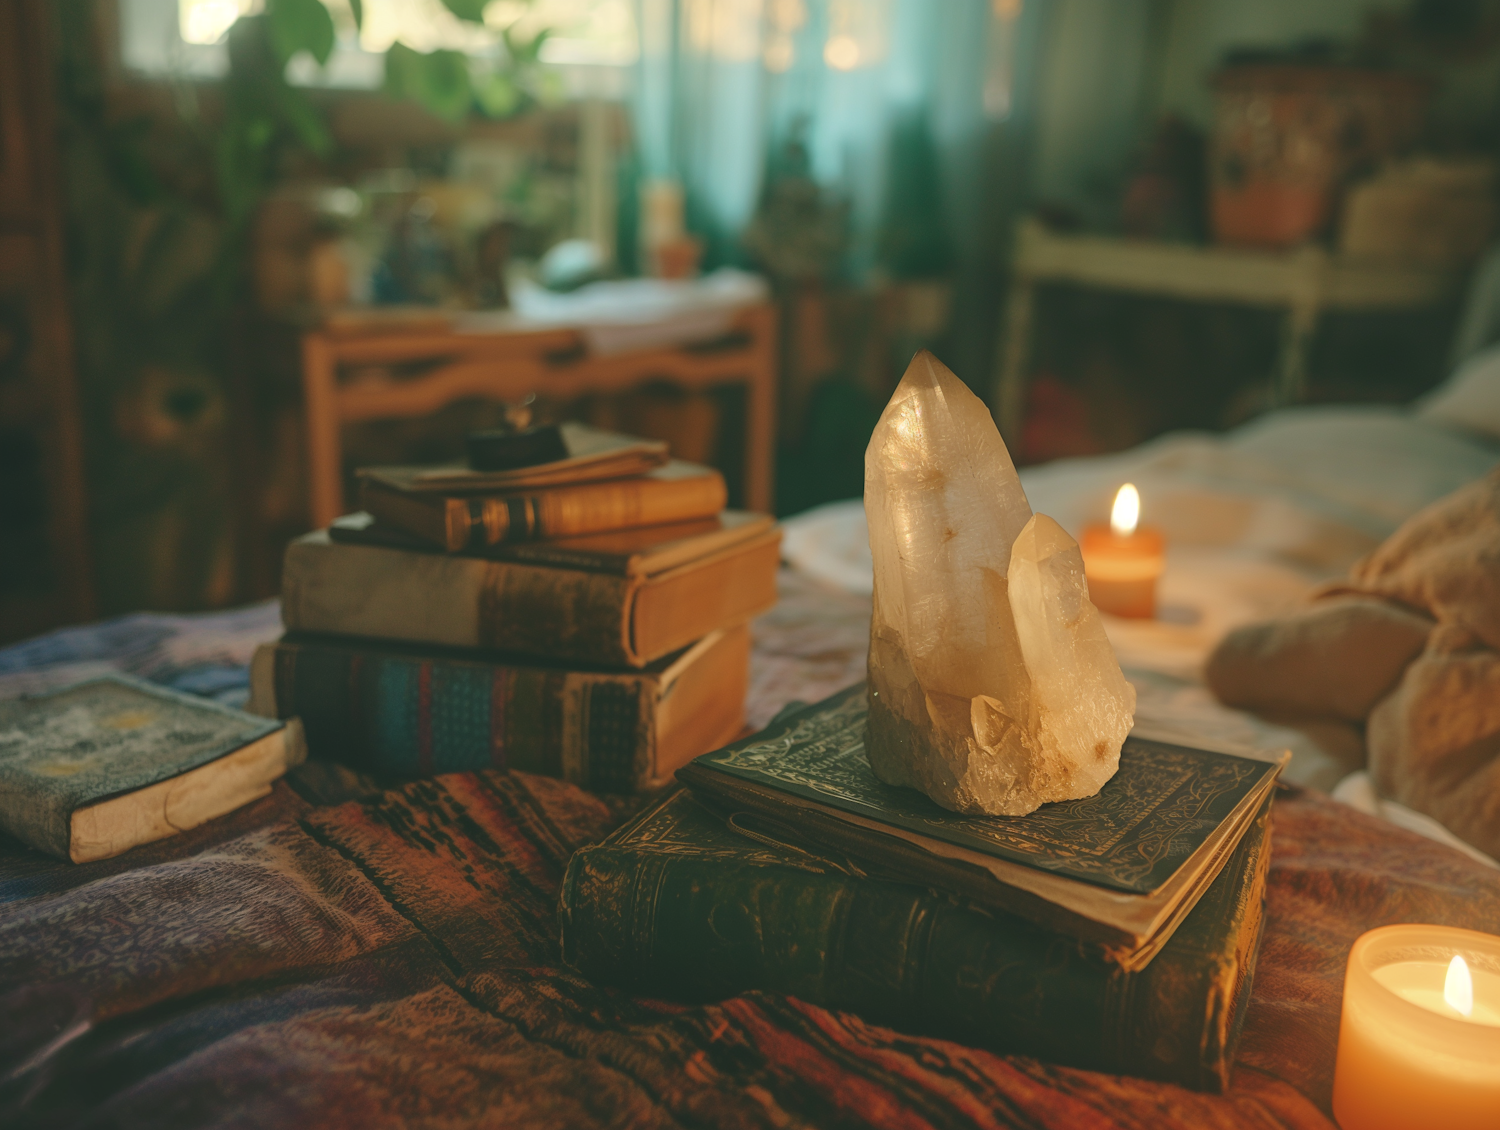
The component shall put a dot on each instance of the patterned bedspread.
(338, 955)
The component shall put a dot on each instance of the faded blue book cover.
(73, 747)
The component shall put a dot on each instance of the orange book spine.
(618, 504)
(459, 523)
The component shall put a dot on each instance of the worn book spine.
(473, 523)
(669, 918)
(399, 715)
(567, 614)
(572, 615)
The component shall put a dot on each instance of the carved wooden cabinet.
(44, 566)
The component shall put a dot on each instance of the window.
(185, 38)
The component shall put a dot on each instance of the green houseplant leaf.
(300, 25)
(524, 54)
(471, 10)
(497, 95)
(298, 115)
(439, 81)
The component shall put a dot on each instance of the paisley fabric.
(337, 955)
(392, 960)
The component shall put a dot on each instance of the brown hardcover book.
(1117, 871)
(678, 492)
(402, 711)
(620, 599)
(592, 455)
(635, 552)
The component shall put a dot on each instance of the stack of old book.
(1116, 933)
(585, 617)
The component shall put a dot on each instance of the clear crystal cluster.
(993, 688)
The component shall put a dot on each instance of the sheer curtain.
(723, 83)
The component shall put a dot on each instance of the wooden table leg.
(325, 472)
(760, 429)
(1296, 341)
(1305, 304)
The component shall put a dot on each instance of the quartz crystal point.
(993, 688)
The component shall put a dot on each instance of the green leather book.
(678, 904)
(1117, 871)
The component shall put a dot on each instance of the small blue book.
(92, 770)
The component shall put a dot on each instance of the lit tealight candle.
(1419, 1043)
(1123, 560)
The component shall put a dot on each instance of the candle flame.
(1458, 988)
(1127, 511)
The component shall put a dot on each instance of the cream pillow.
(1469, 400)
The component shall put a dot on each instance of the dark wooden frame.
(41, 396)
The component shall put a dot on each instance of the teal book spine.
(678, 905)
(398, 714)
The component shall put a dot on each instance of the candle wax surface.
(1407, 1060)
(1122, 570)
(1421, 982)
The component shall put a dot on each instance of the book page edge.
(181, 803)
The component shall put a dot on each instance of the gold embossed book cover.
(1118, 870)
(679, 904)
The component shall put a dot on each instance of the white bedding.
(1254, 519)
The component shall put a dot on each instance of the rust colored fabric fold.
(393, 961)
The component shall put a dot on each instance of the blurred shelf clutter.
(1304, 232)
(1288, 138)
(535, 193)
(1304, 282)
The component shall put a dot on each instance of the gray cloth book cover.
(73, 747)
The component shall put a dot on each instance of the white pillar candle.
(1419, 1042)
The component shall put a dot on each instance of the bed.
(351, 953)
(1255, 520)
